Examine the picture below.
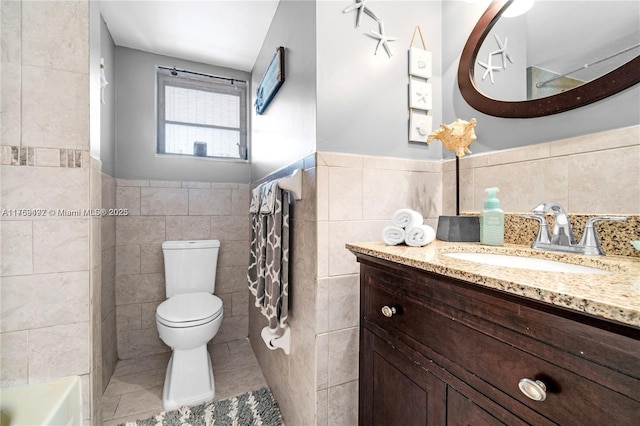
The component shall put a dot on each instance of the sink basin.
(523, 262)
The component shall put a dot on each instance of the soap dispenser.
(492, 220)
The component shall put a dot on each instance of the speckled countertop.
(614, 296)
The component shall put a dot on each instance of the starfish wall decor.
(360, 6)
(504, 54)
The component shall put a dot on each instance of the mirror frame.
(613, 82)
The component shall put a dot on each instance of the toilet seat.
(189, 309)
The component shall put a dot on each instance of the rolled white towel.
(419, 236)
(393, 235)
(407, 218)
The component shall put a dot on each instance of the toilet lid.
(190, 307)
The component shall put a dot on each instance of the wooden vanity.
(446, 342)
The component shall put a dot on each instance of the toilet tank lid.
(180, 245)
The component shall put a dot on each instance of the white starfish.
(360, 6)
(503, 51)
(382, 38)
(489, 68)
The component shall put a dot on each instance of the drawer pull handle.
(388, 311)
(534, 389)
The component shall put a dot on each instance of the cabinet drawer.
(442, 332)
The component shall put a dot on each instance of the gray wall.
(286, 132)
(108, 109)
(135, 82)
(362, 97)
(494, 133)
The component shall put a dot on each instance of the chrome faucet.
(562, 238)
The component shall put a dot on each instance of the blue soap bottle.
(492, 220)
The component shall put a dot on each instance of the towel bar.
(293, 184)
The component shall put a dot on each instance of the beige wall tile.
(232, 328)
(131, 182)
(127, 260)
(44, 123)
(60, 245)
(209, 202)
(143, 230)
(343, 404)
(343, 356)
(611, 139)
(341, 260)
(240, 199)
(594, 189)
(149, 314)
(322, 193)
(14, 359)
(44, 188)
(16, 246)
(386, 191)
(523, 185)
(58, 351)
(231, 279)
(34, 301)
(164, 201)
(129, 317)
(200, 185)
(56, 35)
(48, 157)
(230, 228)
(322, 407)
(11, 100)
(11, 30)
(128, 197)
(402, 164)
(139, 288)
(151, 259)
(334, 159)
(165, 183)
(140, 343)
(239, 303)
(181, 228)
(108, 280)
(345, 193)
(322, 361)
(344, 302)
(233, 253)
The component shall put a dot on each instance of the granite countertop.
(614, 296)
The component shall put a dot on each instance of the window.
(201, 115)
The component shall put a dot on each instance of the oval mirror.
(511, 67)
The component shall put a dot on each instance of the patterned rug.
(252, 408)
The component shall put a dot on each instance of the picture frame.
(271, 81)
(420, 62)
(420, 125)
(420, 95)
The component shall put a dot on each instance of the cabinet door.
(461, 411)
(395, 390)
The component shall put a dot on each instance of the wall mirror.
(534, 64)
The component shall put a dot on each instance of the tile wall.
(157, 211)
(108, 281)
(50, 246)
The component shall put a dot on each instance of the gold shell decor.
(456, 136)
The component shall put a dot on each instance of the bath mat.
(252, 408)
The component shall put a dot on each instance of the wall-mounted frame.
(271, 81)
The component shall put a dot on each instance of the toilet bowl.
(189, 318)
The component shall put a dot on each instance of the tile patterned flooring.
(135, 389)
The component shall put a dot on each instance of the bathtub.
(58, 402)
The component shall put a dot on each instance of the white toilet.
(188, 319)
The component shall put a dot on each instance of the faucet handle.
(589, 239)
(543, 230)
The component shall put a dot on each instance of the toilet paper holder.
(275, 340)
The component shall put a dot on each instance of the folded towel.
(407, 218)
(393, 235)
(254, 207)
(268, 197)
(419, 236)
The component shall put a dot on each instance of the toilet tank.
(190, 266)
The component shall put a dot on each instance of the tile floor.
(135, 389)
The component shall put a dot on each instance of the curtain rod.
(625, 50)
(177, 70)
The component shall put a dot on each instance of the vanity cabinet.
(441, 351)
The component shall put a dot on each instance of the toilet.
(189, 318)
